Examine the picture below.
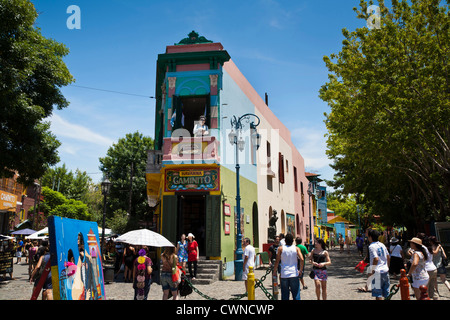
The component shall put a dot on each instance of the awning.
(339, 219)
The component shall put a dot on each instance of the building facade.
(191, 178)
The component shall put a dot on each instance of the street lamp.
(310, 193)
(106, 187)
(236, 139)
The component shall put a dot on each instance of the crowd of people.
(424, 261)
(36, 254)
(422, 256)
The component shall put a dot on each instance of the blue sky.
(277, 45)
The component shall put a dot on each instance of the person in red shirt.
(193, 254)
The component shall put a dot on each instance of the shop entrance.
(192, 218)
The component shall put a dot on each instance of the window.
(281, 167)
(295, 179)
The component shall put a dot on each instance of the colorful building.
(191, 180)
(15, 201)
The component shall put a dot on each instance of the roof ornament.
(193, 38)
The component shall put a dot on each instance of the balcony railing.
(191, 150)
(154, 161)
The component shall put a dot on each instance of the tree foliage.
(389, 125)
(71, 185)
(32, 72)
(125, 159)
(55, 203)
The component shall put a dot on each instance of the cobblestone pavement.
(343, 284)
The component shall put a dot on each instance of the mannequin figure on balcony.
(200, 128)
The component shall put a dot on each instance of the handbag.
(444, 260)
(361, 266)
(312, 274)
(176, 277)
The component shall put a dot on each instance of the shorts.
(47, 284)
(320, 274)
(167, 283)
(380, 285)
(441, 270)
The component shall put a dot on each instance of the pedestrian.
(320, 258)
(360, 244)
(282, 240)
(249, 259)
(438, 260)
(119, 262)
(129, 257)
(287, 256)
(193, 255)
(379, 261)
(47, 289)
(31, 252)
(305, 253)
(273, 253)
(19, 251)
(142, 275)
(397, 256)
(417, 270)
(341, 243)
(182, 251)
(430, 267)
(169, 261)
(27, 250)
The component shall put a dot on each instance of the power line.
(129, 94)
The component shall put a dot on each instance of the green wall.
(248, 192)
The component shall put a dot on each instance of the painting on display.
(76, 264)
(290, 222)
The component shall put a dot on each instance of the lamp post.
(236, 139)
(310, 193)
(106, 187)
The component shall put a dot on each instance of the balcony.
(191, 150)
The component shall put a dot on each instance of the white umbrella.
(39, 235)
(144, 237)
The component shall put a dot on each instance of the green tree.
(388, 129)
(32, 72)
(71, 185)
(125, 165)
(55, 203)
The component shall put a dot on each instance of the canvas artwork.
(77, 272)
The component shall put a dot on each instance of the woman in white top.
(417, 271)
(397, 257)
(430, 267)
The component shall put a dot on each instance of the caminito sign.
(197, 179)
(7, 201)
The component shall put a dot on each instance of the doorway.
(192, 218)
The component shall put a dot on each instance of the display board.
(77, 272)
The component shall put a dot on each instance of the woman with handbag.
(440, 260)
(169, 261)
(320, 258)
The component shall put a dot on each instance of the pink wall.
(296, 158)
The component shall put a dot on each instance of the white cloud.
(63, 128)
(311, 144)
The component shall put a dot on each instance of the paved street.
(343, 284)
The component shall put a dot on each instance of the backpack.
(184, 287)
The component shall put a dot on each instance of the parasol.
(144, 237)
